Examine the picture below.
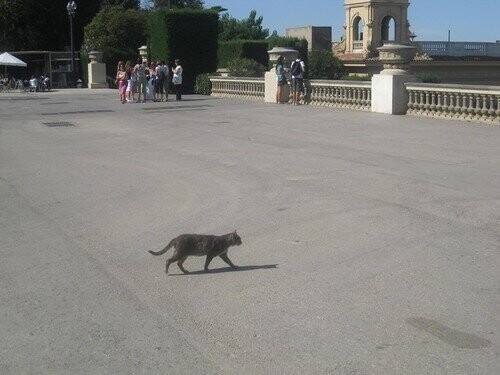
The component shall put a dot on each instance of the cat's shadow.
(227, 269)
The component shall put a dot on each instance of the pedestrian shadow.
(228, 269)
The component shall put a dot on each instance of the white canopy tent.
(7, 59)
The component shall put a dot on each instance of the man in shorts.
(297, 70)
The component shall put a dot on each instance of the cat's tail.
(164, 250)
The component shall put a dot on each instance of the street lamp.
(71, 8)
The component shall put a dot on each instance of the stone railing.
(459, 48)
(357, 45)
(462, 102)
(340, 94)
(238, 87)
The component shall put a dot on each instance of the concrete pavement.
(370, 242)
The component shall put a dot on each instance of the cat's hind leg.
(180, 262)
(171, 260)
(226, 259)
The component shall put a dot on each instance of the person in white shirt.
(177, 79)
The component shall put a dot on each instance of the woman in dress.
(151, 82)
(130, 81)
(121, 81)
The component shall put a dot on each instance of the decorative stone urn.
(396, 58)
(389, 94)
(288, 54)
(143, 52)
(95, 56)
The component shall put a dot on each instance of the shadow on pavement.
(228, 269)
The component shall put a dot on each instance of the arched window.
(357, 29)
(388, 29)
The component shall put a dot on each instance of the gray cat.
(199, 245)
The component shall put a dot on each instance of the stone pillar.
(270, 76)
(389, 93)
(97, 71)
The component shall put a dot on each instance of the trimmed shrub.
(324, 65)
(242, 49)
(429, 78)
(203, 85)
(186, 34)
(356, 78)
(245, 68)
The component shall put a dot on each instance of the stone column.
(389, 93)
(270, 76)
(97, 71)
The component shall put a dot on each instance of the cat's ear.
(234, 231)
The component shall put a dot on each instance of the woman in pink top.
(121, 81)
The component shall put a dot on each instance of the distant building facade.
(369, 24)
(318, 37)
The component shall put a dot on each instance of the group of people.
(41, 83)
(296, 70)
(149, 80)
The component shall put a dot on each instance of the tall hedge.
(189, 35)
(243, 49)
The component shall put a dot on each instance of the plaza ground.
(370, 242)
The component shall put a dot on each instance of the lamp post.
(71, 8)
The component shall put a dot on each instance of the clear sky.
(468, 20)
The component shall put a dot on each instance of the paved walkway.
(370, 242)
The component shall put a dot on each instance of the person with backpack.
(159, 83)
(297, 71)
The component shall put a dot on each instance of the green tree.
(125, 4)
(195, 4)
(173, 4)
(250, 28)
(324, 65)
(110, 32)
(42, 24)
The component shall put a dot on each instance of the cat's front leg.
(207, 262)
(226, 259)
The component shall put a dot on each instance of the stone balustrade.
(238, 87)
(459, 48)
(340, 94)
(462, 102)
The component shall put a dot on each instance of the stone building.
(371, 23)
(318, 37)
